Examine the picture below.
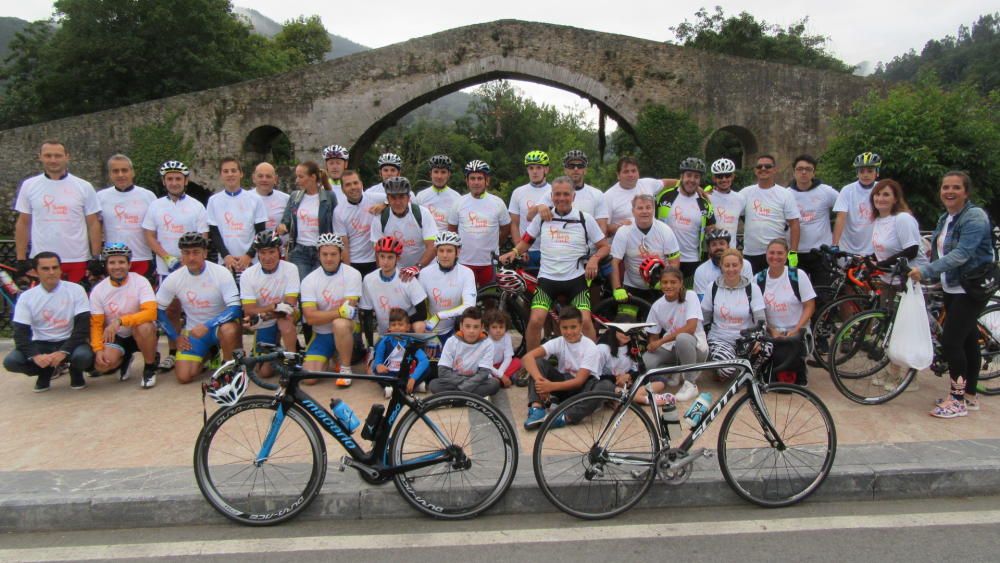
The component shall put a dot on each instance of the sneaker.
(167, 363)
(971, 403)
(536, 415)
(558, 422)
(674, 380)
(343, 381)
(77, 382)
(148, 379)
(41, 386)
(422, 387)
(663, 399)
(388, 392)
(951, 409)
(123, 374)
(61, 370)
(687, 392)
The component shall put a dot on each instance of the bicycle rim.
(485, 463)
(830, 319)
(772, 477)
(860, 366)
(280, 487)
(590, 480)
(989, 346)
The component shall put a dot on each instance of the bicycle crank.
(674, 466)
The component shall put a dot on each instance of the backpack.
(414, 208)
(793, 276)
(586, 233)
(715, 289)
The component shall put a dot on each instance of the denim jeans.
(305, 258)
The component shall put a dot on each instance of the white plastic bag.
(910, 342)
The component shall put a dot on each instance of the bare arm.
(515, 227)
(154, 244)
(793, 234)
(22, 236)
(428, 255)
(95, 233)
(838, 227)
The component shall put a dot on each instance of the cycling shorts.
(199, 346)
(574, 291)
(266, 335)
(321, 348)
(124, 344)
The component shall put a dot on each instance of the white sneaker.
(167, 363)
(687, 392)
(388, 392)
(674, 379)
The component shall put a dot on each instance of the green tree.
(921, 131)
(665, 138)
(305, 36)
(745, 36)
(154, 144)
(22, 69)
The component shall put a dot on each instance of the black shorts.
(126, 344)
(364, 267)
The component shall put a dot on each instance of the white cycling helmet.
(447, 237)
(723, 166)
(227, 385)
(390, 159)
(330, 239)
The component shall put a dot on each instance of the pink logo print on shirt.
(559, 236)
(680, 218)
(359, 224)
(307, 220)
(441, 302)
(728, 317)
(407, 242)
(331, 300)
(113, 309)
(724, 216)
(170, 226)
(49, 203)
(383, 303)
(771, 301)
(54, 319)
(124, 217)
(477, 222)
(232, 223)
(763, 210)
(864, 211)
(192, 299)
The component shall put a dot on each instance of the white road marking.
(293, 544)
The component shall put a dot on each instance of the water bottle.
(8, 284)
(345, 415)
(698, 409)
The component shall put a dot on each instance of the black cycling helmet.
(575, 154)
(192, 240)
(693, 164)
(718, 234)
(267, 239)
(396, 185)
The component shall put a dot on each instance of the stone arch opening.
(267, 143)
(733, 142)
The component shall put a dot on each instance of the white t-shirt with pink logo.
(357, 221)
(729, 312)
(572, 357)
(262, 288)
(122, 213)
(59, 210)
(202, 296)
(329, 291)
(439, 202)
(890, 235)
(275, 204)
(728, 208)
(766, 216)
(525, 198)
(783, 310)
(50, 314)
(619, 199)
(563, 243)
(856, 202)
(170, 219)
(479, 220)
(815, 205)
(685, 220)
(670, 316)
(407, 230)
(307, 220)
(466, 359)
(115, 302)
(235, 214)
(632, 246)
(448, 293)
(380, 296)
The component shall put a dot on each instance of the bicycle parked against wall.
(261, 460)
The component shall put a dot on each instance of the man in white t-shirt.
(526, 198)
(123, 207)
(330, 296)
(235, 216)
(633, 244)
(51, 323)
(211, 304)
(618, 197)
(717, 241)
(390, 165)
(269, 292)
(686, 209)
(439, 198)
(123, 318)
(275, 201)
(58, 212)
(565, 270)
(481, 219)
(727, 204)
(354, 212)
(815, 200)
(852, 231)
(411, 224)
(770, 211)
(336, 158)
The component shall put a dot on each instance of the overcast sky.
(859, 30)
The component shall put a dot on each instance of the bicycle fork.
(272, 435)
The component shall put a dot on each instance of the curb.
(129, 498)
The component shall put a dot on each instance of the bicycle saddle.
(629, 327)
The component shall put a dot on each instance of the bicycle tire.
(810, 440)
(232, 451)
(607, 309)
(988, 323)
(828, 320)
(871, 380)
(554, 458)
(481, 430)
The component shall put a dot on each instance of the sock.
(173, 352)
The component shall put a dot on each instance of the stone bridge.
(770, 107)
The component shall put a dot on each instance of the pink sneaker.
(951, 409)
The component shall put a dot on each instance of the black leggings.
(960, 339)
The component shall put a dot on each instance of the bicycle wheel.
(608, 309)
(482, 442)
(270, 492)
(858, 362)
(592, 480)
(989, 345)
(828, 320)
(768, 476)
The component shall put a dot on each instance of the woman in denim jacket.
(308, 214)
(962, 242)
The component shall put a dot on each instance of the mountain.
(8, 28)
(339, 46)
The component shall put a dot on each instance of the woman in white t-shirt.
(732, 303)
(678, 337)
(896, 233)
(789, 302)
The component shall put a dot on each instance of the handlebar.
(250, 361)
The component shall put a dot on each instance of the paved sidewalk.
(115, 455)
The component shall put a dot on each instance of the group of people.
(347, 263)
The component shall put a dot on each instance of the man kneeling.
(466, 362)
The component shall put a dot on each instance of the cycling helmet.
(867, 160)
(717, 234)
(650, 269)
(440, 161)
(116, 249)
(336, 151)
(174, 166)
(723, 166)
(575, 154)
(192, 240)
(536, 157)
(227, 385)
(396, 185)
(390, 159)
(447, 237)
(389, 244)
(266, 239)
(478, 166)
(692, 164)
(510, 281)
(330, 239)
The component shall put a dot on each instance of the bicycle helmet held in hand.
(650, 270)
(192, 240)
(536, 157)
(174, 166)
(390, 159)
(723, 166)
(266, 239)
(389, 244)
(447, 237)
(116, 249)
(510, 281)
(336, 151)
(442, 161)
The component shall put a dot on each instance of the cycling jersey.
(58, 210)
(564, 242)
(619, 199)
(407, 230)
(327, 291)
(631, 245)
(855, 200)
(523, 200)
(357, 221)
(814, 210)
(728, 209)
(235, 214)
(122, 212)
(169, 219)
(133, 302)
(479, 220)
(439, 203)
(687, 215)
(203, 296)
(380, 295)
(766, 216)
(258, 287)
(449, 293)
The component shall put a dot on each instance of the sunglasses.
(764, 166)
(723, 175)
(575, 166)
